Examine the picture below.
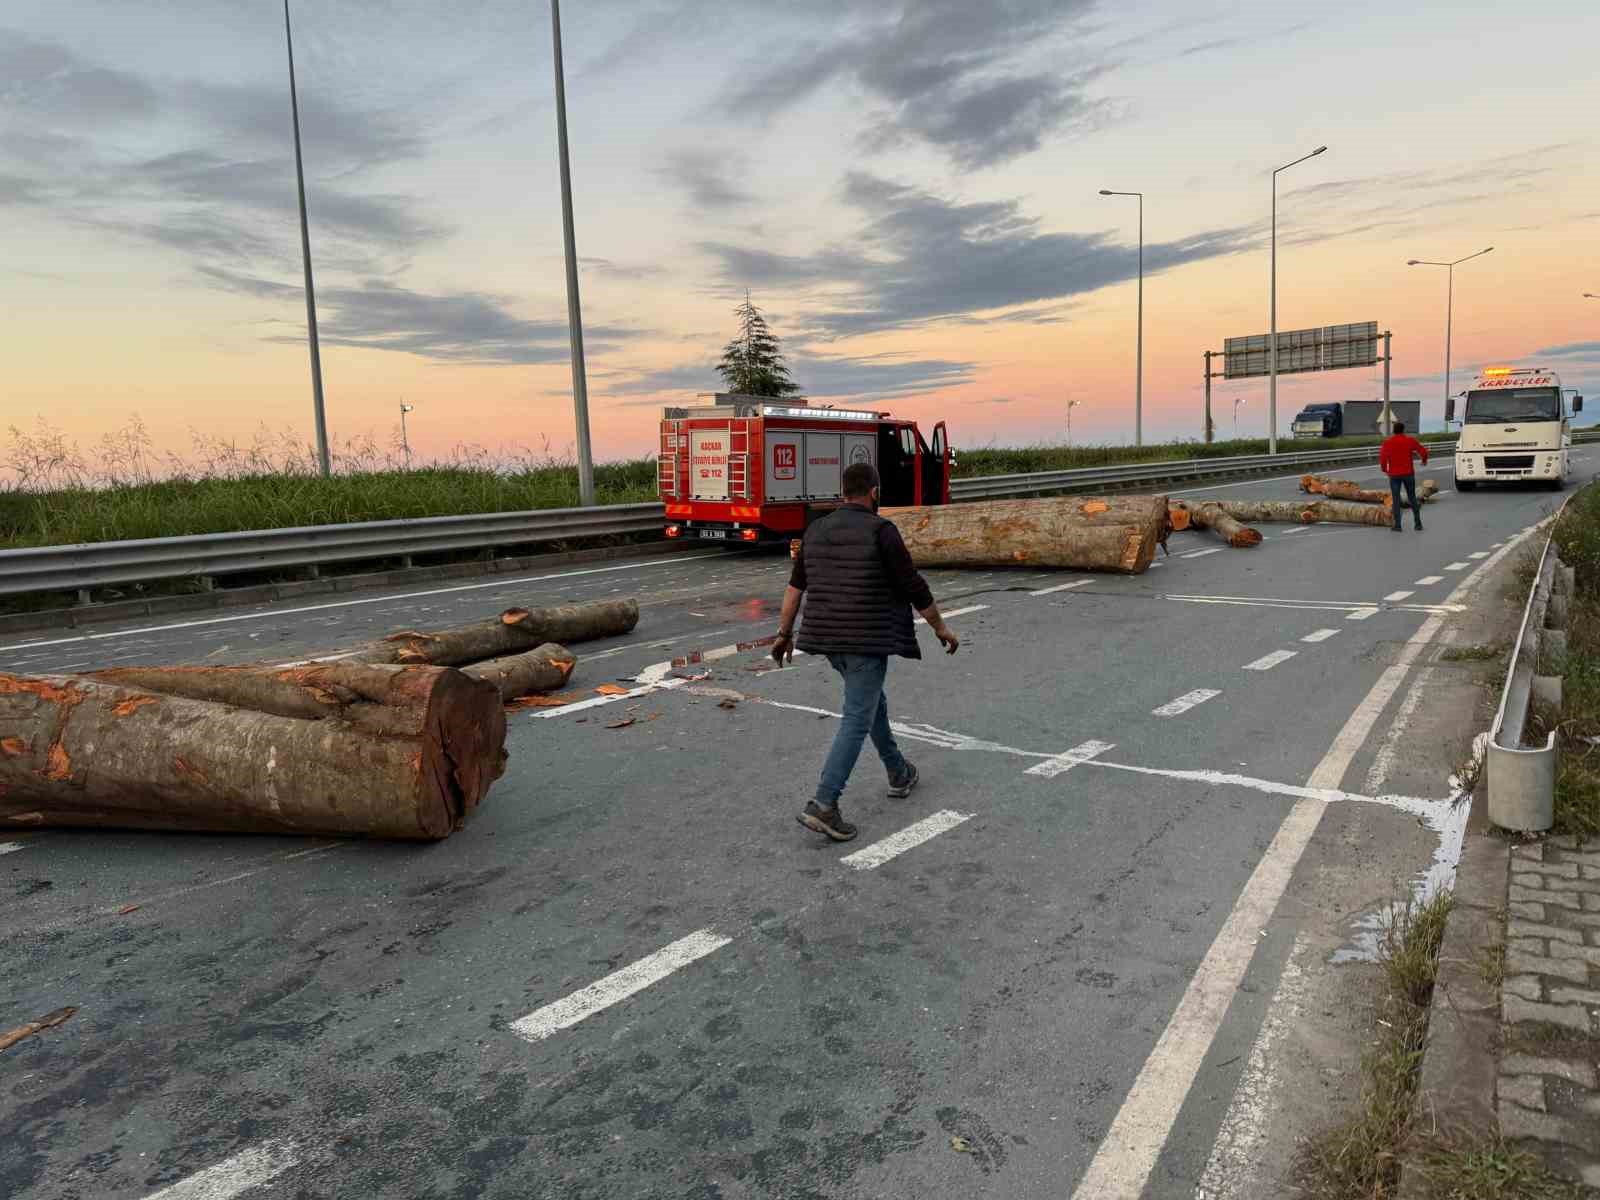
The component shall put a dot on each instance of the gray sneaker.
(900, 785)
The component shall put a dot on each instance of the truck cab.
(1514, 428)
(1318, 420)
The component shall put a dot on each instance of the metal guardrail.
(1522, 779)
(102, 564)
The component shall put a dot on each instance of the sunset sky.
(909, 190)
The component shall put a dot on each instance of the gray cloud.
(945, 72)
(821, 376)
(706, 178)
(1569, 350)
(921, 258)
(41, 77)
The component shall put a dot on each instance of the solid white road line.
(1456, 566)
(957, 612)
(1127, 1154)
(1396, 597)
(664, 685)
(1267, 661)
(233, 1176)
(1062, 763)
(1185, 702)
(306, 608)
(1320, 635)
(10, 847)
(1064, 587)
(619, 985)
(896, 844)
(1202, 553)
(1361, 614)
(1429, 580)
(1479, 554)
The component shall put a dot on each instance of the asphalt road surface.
(634, 975)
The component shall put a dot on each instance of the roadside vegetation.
(54, 492)
(1577, 537)
(1359, 1158)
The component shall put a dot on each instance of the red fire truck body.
(753, 469)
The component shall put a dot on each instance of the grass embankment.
(59, 497)
(1577, 538)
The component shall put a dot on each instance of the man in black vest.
(863, 587)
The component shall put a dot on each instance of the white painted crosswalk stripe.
(1062, 587)
(617, 986)
(1062, 763)
(1267, 661)
(911, 836)
(1185, 702)
(1320, 635)
(234, 1176)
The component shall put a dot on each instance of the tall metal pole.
(1388, 359)
(1138, 382)
(1449, 305)
(580, 381)
(405, 442)
(1208, 398)
(305, 254)
(1272, 337)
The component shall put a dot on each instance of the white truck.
(1514, 428)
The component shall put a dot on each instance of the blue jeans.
(866, 711)
(1409, 482)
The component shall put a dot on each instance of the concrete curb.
(1460, 1065)
(266, 593)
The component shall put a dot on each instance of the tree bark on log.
(77, 750)
(542, 670)
(1345, 489)
(1303, 512)
(515, 631)
(1209, 515)
(1086, 533)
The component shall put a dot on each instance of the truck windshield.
(1513, 404)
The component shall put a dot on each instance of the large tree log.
(1303, 512)
(1345, 489)
(514, 631)
(83, 751)
(1209, 515)
(1086, 533)
(541, 670)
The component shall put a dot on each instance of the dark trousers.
(1409, 483)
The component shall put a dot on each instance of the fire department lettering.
(783, 462)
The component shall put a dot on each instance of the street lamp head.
(1412, 262)
(1318, 151)
(1486, 250)
(1107, 192)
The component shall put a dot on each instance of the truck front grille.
(1508, 462)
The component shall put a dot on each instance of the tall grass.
(59, 495)
(1577, 538)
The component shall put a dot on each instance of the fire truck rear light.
(750, 535)
(674, 531)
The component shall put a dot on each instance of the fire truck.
(754, 469)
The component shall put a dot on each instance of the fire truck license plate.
(713, 533)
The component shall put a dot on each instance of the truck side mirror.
(1577, 404)
(1449, 409)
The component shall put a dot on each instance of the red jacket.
(1394, 456)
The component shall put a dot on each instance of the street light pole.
(1071, 404)
(580, 382)
(323, 462)
(1138, 377)
(1272, 337)
(1449, 307)
(1237, 400)
(405, 442)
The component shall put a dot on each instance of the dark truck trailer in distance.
(1353, 418)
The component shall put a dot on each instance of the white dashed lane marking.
(234, 1176)
(1456, 566)
(1202, 553)
(1320, 635)
(1429, 580)
(10, 847)
(619, 985)
(1185, 702)
(1396, 597)
(1361, 614)
(911, 836)
(1479, 554)
(1267, 661)
(1062, 763)
(1064, 587)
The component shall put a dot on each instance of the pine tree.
(752, 364)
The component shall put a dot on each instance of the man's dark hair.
(1399, 426)
(859, 480)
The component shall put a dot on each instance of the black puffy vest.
(851, 603)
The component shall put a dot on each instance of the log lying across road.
(515, 631)
(1344, 489)
(1084, 533)
(1211, 515)
(1303, 512)
(341, 749)
(543, 670)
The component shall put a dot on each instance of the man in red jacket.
(1395, 456)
